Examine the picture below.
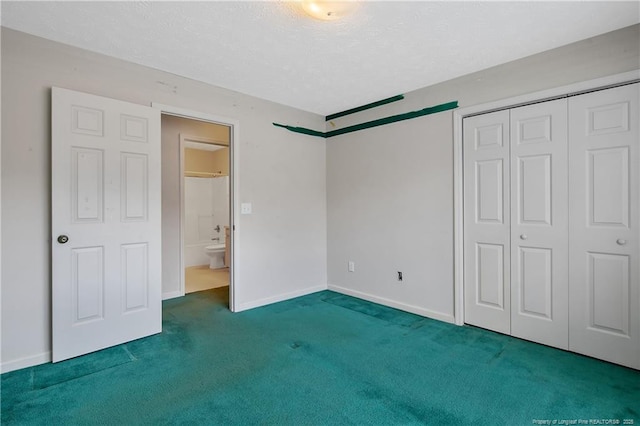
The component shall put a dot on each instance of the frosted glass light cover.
(328, 10)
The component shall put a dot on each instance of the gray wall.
(390, 188)
(282, 244)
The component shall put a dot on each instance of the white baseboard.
(25, 362)
(172, 295)
(440, 316)
(279, 298)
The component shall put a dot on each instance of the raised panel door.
(604, 290)
(539, 228)
(106, 203)
(486, 221)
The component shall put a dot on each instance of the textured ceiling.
(271, 50)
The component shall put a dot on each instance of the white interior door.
(539, 229)
(487, 221)
(604, 230)
(106, 245)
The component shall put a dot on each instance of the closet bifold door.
(604, 188)
(539, 228)
(486, 221)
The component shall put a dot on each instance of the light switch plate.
(245, 208)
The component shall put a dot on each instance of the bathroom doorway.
(205, 189)
(200, 215)
(206, 212)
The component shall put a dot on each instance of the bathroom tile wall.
(206, 205)
(220, 199)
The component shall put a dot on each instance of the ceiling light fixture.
(328, 10)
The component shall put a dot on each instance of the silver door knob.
(621, 242)
(63, 239)
(523, 237)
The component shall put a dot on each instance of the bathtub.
(194, 254)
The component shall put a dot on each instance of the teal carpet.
(322, 359)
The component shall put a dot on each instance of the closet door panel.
(604, 233)
(539, 228)
(486, 221)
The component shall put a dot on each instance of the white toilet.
(216, 253)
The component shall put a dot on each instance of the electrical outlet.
(352, 266)
(400, 276)
(245, 208)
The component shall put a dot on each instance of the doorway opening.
(205, 209)
(201, 208)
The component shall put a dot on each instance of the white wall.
(389, 210)
(1, 328)
(389, 188)
(282, 244)
(220, 205)
(206, 205)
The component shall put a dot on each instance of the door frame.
(234, 193)
(458, 165)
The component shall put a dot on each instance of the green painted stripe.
(302, 130)
(373, 123)
(393, 119)
(364, 107)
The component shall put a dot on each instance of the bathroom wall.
(197, 160)
(206, 205)
(220, 200)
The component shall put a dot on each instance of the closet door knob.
(621, 242)
(523, 237)
(62, 239)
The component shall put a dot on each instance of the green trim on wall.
(302, 130)
(393, 119)
(373, 123)
(364, 107)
